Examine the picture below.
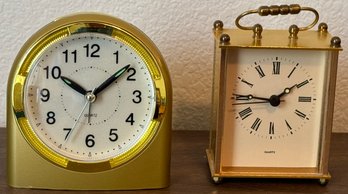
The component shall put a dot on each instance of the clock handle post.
(274, 10)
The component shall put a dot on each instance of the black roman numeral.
(256, 124)
(260, 71)
(305, 99)
(292, 71)
(276, 67)
(271, 128)
(246, 82)
(289, 126)
(245, 113)
(300, 114)
(302, 83)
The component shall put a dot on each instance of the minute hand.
(260, 98)
(111, 79)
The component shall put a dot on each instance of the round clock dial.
(274, 97)
(90, 97)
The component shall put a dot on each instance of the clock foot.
(323, 181)
(217, 180)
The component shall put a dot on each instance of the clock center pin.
(274, 100)
(91, 97)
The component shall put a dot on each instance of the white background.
(182, 30)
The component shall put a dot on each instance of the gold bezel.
(82, 23)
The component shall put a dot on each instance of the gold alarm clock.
(273, 99)
(89, 107)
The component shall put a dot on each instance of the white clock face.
(273, 101)
(89, 97)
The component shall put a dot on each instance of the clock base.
(219, 173)
(27, 169)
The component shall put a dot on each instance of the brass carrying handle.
(276, 10)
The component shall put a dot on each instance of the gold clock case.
(31, 164)
(229, 40)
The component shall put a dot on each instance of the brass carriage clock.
(89, 107)
(273, 99)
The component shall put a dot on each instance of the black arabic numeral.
(50, 118)
(113, 135)
(116, 56)
(137, 98)
(66, 55)
(67, 135)
(45, 95)
(90, 140)
(94, 48)
(130, 119)
(55, 72)
(131, 72)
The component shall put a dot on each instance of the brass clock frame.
(27, 169)
(227, 40)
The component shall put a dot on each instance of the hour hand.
(72, 84)
(249, 97)
(287, 91)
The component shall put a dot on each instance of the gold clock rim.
(81, 23)
(316, 41)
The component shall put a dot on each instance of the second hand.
(78, 118)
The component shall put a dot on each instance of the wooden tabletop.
(190, 172)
